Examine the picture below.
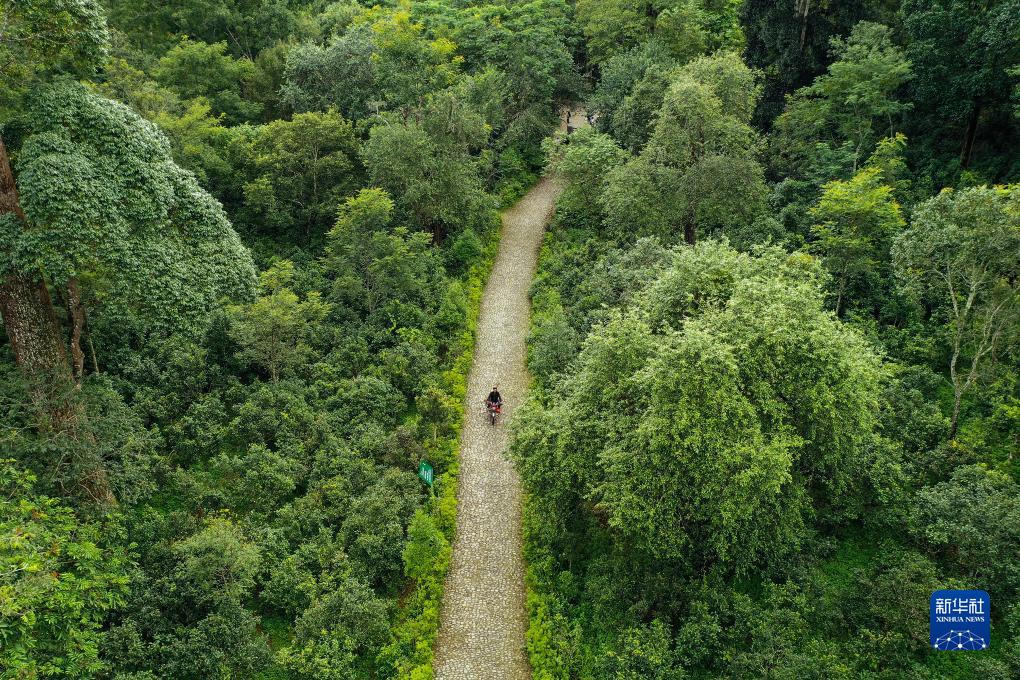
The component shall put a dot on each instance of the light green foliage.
(692, 123)
(856, 222)
(646, 652)
(961, 256)
(273, 331)
(698, 171)
(409, 66)
(681, 29)
(735, 85)
(692, 392)
(855, 102)
(198, 139)
(435, 179)
(59, 578)
(195, 69)
(336, 631)
(379, 270)
(107, 204)
(427, 553)
(633, 121)
(613, 27)
(526, 46)
(584, 162)
(217, 564)
(297, 172)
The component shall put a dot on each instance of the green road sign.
(425, 472)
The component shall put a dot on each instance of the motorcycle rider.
(495, 399)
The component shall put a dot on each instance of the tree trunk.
(804, 7)
(968, 137)
(25, 302)
(32, 328)
(92, 349)
(34, 335)
(690, 231)
(955, 422)
(76, 312)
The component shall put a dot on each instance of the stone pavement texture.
(483, 620)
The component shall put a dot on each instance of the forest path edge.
(483, 621)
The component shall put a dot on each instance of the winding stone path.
(483, 620)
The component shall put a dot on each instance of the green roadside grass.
(427, 554)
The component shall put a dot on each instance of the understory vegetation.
(775, 340)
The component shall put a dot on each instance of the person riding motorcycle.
(494, 398)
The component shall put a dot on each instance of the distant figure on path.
(494, 397)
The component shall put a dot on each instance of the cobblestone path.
(483, 620)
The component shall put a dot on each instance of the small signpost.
(426, 473)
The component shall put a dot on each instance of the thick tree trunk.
(690, 231)
(968, 137)
(34, 335)
(76, 312)
(25, 302)
(32, 326)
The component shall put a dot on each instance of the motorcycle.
(494, 410)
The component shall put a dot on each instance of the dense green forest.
(242, 245)
(776, 344)
(775, 337)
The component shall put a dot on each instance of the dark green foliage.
(971, 522)
(753, 458)
(107, 205)
(962, 52)
(791, 42)
(259, 433)
(726, 479)
(296, 172)
(339, 75)
(41, 38)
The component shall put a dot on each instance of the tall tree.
(699, 169)
(789, 41)
(961, 258)
(38, 39)
(854, 103)
(723, 380)
(856, 222)
(195, 69)
(297, 172)
(130, 242)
